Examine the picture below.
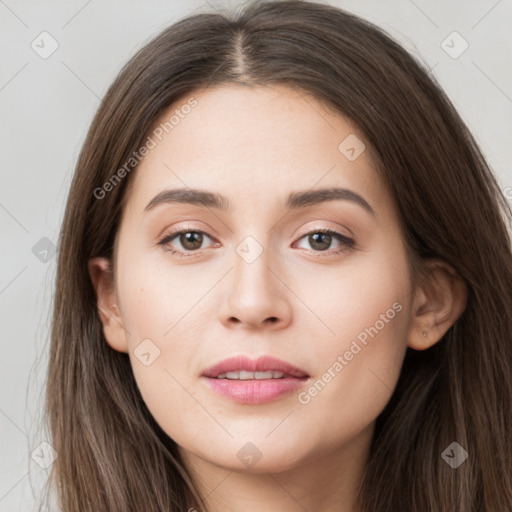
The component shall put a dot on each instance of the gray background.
(47, 104)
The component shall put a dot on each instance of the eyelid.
(316, 228)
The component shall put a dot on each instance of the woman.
(284, 281)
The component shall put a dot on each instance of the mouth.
(245, 375)
(250, 381)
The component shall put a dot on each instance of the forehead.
(253, 144)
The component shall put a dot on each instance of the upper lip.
(262, 364)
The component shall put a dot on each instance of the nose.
(255, 295)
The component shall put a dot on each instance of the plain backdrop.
(47, 103)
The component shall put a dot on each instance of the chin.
(244, 455)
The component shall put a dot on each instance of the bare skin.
(255, 146)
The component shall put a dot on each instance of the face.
(257, 278)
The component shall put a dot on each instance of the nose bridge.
(255, 292)
(252, 261)
(254, 244)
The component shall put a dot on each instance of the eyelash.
(167, 237)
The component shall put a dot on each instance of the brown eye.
(183, 241)
(191, 240)
(320, 240)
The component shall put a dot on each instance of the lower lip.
(255, 391)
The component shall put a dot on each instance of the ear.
(101, 274)
(440, 298)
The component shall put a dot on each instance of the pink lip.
(255, 391)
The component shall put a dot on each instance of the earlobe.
(100, 271)
(440, 299)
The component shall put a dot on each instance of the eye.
(191, 241)
(321, 239)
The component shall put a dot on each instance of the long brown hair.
(112, 455)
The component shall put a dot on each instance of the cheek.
(160, 313)
(360, 363)
(160, 299)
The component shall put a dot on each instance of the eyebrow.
(295, 200)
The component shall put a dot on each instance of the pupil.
(323, 236)
(193, 238)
